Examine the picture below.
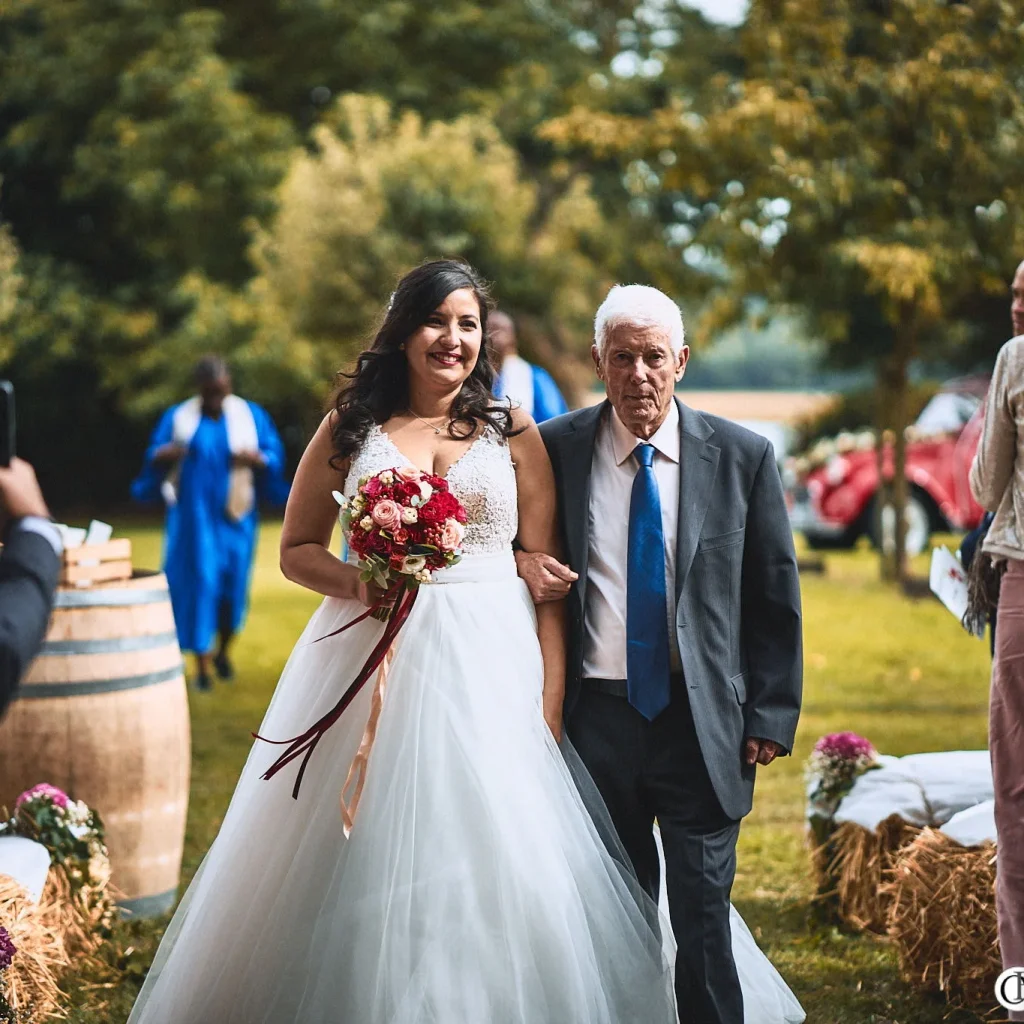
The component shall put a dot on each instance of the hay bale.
(83, 915)
(942, 918)
(31, 980)
(852, 865)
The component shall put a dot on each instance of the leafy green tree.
(865, 169)
(379, 192)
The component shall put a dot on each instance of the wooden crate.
(97, 563)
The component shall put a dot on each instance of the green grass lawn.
(899, 671)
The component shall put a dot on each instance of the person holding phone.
(29, 571)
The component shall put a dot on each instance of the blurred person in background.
(29, 570)
(530, 387)
(209, 459)
(997, 480)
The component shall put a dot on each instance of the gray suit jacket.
(738, 620)
(29, 570)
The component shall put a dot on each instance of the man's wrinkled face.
(640, 372)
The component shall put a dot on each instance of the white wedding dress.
(476, 887)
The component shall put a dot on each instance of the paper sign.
(948, 582)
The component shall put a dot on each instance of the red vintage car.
(833, 488)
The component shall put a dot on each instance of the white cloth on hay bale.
(922, 789)
(27, 862)
(974, 826)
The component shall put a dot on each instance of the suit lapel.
(698, 463)
(577, 463)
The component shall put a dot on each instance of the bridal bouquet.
(403, 524)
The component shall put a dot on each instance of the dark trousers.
(647, 770)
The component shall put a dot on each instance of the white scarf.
(516, 382)
(242, 437)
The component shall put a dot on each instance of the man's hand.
(254, 460)
(757, 751)
(19, 492)
(547, 578)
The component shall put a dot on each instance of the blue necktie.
(647, 652)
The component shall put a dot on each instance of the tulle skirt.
(477, 884)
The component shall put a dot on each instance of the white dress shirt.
(37, 524)
(611, 486)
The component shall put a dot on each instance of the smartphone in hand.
(7, 447)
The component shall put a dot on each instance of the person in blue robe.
(210, 459)
(530, 387)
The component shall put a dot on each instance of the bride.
(481, 882)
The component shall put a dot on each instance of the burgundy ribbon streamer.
(304, 745)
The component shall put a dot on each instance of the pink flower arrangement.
(835, 764)
(46, 791)
(846, 746)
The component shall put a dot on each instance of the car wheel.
(918, 518)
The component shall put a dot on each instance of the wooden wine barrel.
(103, 715)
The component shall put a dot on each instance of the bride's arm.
(309, 519)
(538, 531)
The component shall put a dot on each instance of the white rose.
(366, 523)
(387, 477)
(414, 564)
(425, 490)
(410, 516)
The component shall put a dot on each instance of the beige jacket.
(997, 474)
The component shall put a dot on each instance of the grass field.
(896, 670)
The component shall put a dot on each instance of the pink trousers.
(1006, 746)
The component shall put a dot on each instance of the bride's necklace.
(433, 426)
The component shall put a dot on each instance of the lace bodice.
(483, 479)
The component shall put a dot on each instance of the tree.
(379, 192)
(866, 169)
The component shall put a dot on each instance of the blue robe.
(543, 401)
(208, 557)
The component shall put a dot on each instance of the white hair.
(639, 306)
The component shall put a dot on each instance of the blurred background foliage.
(831, 185)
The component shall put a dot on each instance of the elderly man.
(685, 666)
(530, 387)
(209, 458)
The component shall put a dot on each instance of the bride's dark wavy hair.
(379, 386)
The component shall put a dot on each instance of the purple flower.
(7, 949)
(43, 790)
(845, 746)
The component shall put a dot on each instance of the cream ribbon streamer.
(357, 771)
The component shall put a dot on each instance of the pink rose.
(410, 474)
(451, 535)
(387, 514)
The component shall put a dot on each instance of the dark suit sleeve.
(29, 570)
(771, 617)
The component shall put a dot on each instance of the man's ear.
(682, 360)
(596, 356)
